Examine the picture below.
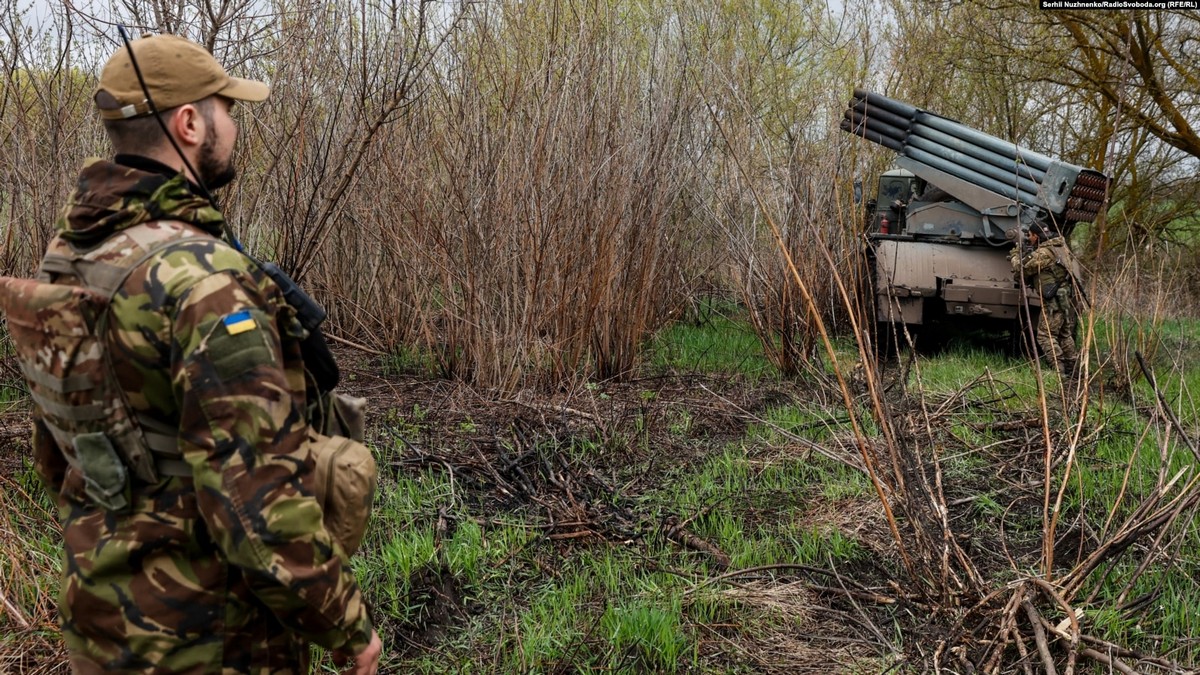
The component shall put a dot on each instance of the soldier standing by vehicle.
(198, 546)
(1047, 265)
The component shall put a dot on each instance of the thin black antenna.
(163, 125)
(318, 360)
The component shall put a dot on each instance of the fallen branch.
(676, 533)
(1039, 636)
(1108, 660)
(876, 598)
(572, 535)
(1117, 650)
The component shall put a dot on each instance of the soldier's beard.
(215, 173)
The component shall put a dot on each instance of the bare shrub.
(540, 239)
(44, 127)
(773, 89)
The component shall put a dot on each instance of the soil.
(513, 452)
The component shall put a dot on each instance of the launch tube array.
(980, 159)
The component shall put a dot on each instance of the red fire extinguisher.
(883, 226)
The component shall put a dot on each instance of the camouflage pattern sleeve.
(48, 461)
(1039, 261)
(242, 429)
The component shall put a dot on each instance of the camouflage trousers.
(1055, 332)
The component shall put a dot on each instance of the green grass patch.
(812, 423)
(754, 509)
(716, 340)
(961, 365)
(647, 636)
(409, 359)
(32, 568)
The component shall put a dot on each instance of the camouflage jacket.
(1046, 268)
(229, 569)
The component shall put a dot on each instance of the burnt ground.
(513, 454)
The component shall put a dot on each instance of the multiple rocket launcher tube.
(978, 158)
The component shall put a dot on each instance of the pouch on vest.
(345, 469)
(103, 471)
(58, 334)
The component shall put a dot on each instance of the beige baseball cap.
(176, 71)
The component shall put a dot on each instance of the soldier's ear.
(188, 125)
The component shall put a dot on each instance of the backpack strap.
(1069, 263)
(106, 277)
(163, 441)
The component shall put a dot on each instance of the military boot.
(1069, 368)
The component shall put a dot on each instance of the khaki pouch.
(345, 484)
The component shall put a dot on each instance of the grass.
(29, 571)
(715, 340)
(647, 635)
(463, 582)
(409, 359)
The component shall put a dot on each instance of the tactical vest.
(58, 324)
(1069, 263)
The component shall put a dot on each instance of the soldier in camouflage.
(1047, 265)
(221, 564)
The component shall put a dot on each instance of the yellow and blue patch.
(239, 322)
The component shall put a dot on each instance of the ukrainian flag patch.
(239, 322)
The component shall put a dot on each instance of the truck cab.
(897, 187)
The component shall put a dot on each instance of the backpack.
(58, 324)
(59, 333)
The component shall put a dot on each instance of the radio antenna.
(199, 181)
